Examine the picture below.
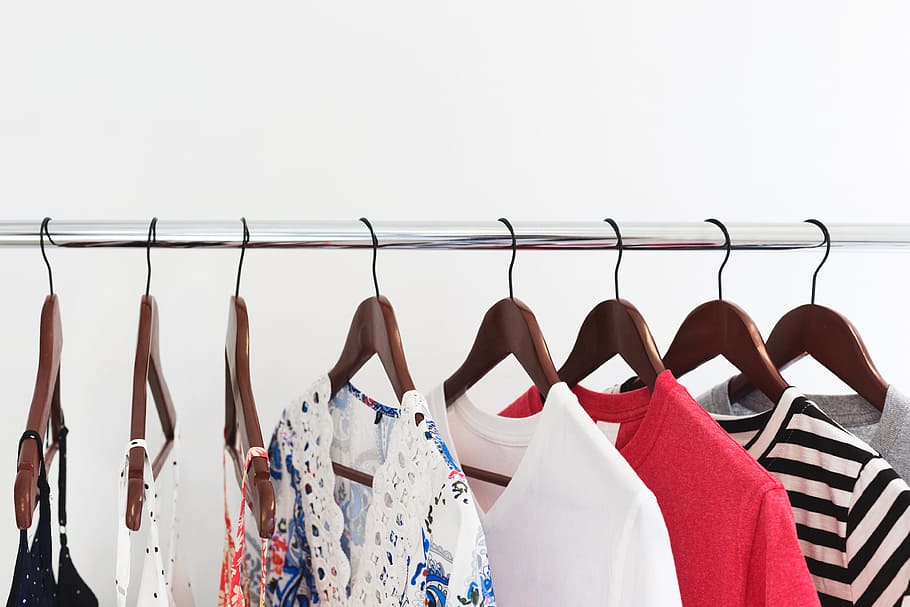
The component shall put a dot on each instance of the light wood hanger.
(614, 327)
(373, 331)
(721, 328)
(241, 421)
(508, 327)
(826, 336)
(45, 407)
(147, 374)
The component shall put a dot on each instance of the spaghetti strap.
(72, 590)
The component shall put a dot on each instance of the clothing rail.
(556, 235)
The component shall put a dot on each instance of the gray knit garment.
(882, 430)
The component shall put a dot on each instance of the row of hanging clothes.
(752, 494)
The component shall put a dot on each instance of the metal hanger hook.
(824, 230)
(367, 223)
(619, 248)
(508, 224)
(246, 239)
(728, 245)
(42, 232)
(151, 240)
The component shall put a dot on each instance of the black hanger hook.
(367, 223)
(246, 239)
(508, 224)
(827, 252)
(720, 271)
(41, 234)
(619, 248)
(151, 240)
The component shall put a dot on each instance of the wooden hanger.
(508, 327)
(613, 327)
(45, 406)
(721, 328)
(147, 374)
(826, 336)
(241, 421)
(374, 331)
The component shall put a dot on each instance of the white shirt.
(575, 526)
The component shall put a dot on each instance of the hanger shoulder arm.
(635, 343)
(359, 344)
(745, 349)
(531, 350)
(44, 407)
(242, 429)
(135, 481)
(489, 348)
(592, 347)
(387, 343)
(696, 341)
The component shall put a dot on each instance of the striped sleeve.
(878, 537)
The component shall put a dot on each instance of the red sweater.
(730, 522)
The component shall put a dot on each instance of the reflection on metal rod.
(554, 235)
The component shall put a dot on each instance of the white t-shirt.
(575, 526)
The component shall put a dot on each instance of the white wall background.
(572, 110)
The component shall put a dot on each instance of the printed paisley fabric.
(234, 590)
(413, 539)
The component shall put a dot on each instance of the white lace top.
(413, 539)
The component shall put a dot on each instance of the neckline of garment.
(522, 432)
(507, 431)
(647, 406)
(849, 409)
(769, 422)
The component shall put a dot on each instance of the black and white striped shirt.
(852, 510)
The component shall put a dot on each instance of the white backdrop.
(572, 110)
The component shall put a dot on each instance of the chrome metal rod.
(553, 235)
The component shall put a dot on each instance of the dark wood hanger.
(241, 421)
(614, 327)
(147, 374)
(508, 327)
(373, 332)
(45, 407)
(826, 336)
(721, 328)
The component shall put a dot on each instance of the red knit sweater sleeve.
(777, 573)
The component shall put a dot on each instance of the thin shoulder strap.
(31, 434)
(43, 535)
(43, 486)
(61, 484)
